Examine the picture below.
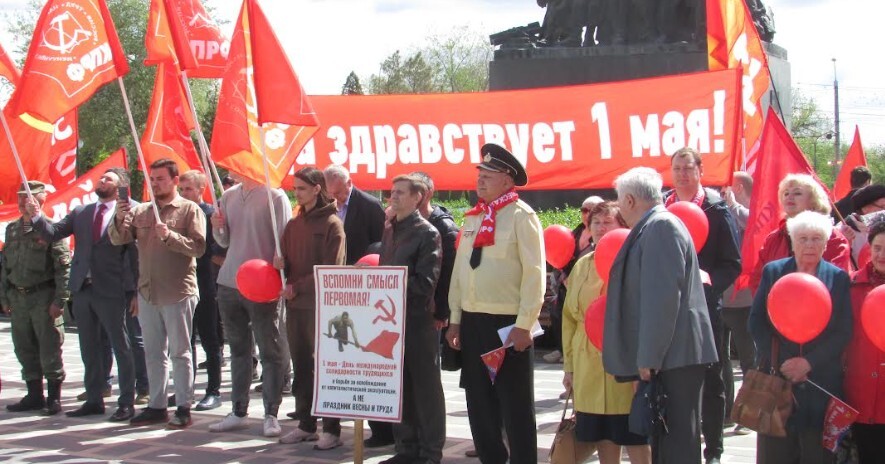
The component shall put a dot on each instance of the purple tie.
(97, 222)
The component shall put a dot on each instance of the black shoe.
(87, 409)
(28, 403)
(208, 402)
(52, 408)
(122, 414)
(292, 415)
(181, 419)
(170, 402)
(150, 416)
(398, 459)
(377, 442)
(202, 365)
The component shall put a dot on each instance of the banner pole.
(18, 161)
(137, 140)
(358, 441)
(206, 156)
(273, 214)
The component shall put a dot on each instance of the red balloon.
(695, 221)
(799, 306)
(594, 321)
(559, 245)
(258, 281)
(370, 260)
(872, 316)
(607, 249)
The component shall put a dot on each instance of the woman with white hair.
(798, 193)
(818, 360)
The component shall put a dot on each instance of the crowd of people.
(146, 279)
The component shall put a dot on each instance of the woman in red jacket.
(798, 193)
(864, 362)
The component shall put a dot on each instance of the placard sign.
(359, 342)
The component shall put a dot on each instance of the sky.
(327, 39)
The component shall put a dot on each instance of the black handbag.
(648, 412)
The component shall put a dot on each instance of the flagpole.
(137, 139)
(201, 142)
(18, 162)
(273, 214)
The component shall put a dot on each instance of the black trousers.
(682, 445)
(301, 331)
(206, 324)
(96, 314)
(508, 404)
(734, 325)
(713, 402)
(870, 439)
(798, 447)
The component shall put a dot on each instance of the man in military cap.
(34, 288)
(498, 281)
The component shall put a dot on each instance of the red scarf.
(486, 234)
(698, 198)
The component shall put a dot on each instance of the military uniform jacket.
(30, 262)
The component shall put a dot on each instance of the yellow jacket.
(595, 392)
(511, 278)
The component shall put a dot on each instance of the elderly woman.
(798, 193)
(602, 404)
(864, 362)
(818, 360)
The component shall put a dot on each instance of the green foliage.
(103, 125)
(453, 62)
(352, 85)
(569, 217)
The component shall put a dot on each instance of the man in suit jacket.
(656, 321)
(102, 284)
(363, 218)
(361, 213)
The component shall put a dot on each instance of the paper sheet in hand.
(504, 332)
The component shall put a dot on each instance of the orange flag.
(186, 36)
(854, 158)
(732, 42)
(167, 134)
(778, 156)
(8, 69)
(74, 51)
(63, 151)
(260, 91)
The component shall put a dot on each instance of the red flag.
(383, 344)
(854, 158)
(63, 151)
(33, 146)
(493, 361)
(732, 42)
(8, 69)
(186, 36)
(74, 51)
(260, 88)
(61, 202)
(837, 422)
(170, 120)
(778, 156)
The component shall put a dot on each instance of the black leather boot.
(53, 398)
(33, 401)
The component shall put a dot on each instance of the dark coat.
(363, 225)
(415, 243)
(824, 353)
(656, 315)
(448, 232)
(721, 256)
(113, 268)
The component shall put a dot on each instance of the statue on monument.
(622, 22)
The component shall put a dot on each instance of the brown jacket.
(312, 238)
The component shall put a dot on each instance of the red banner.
(854, 158)
(568, 137)
(188, 36)
(60, 203)
(63, 151)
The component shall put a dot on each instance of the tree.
(813, 132)
(454, 62)
(352, 85)
(103, 124)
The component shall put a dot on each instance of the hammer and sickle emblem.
(65, 41)
(388, 316)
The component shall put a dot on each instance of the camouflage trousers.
(36, 336)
